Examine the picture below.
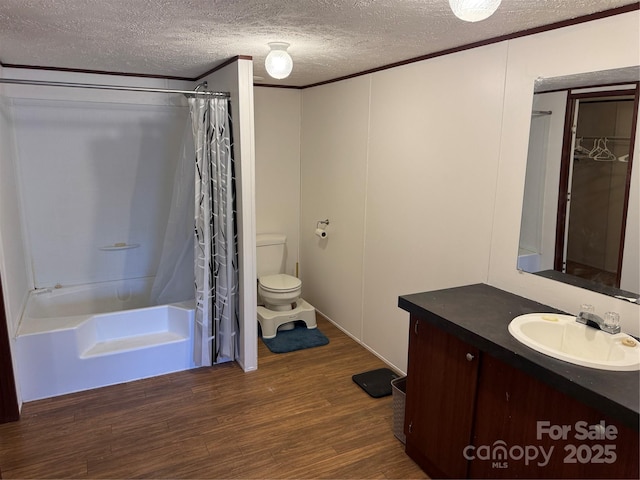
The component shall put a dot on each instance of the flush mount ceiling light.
(278, 62)
(474, 10)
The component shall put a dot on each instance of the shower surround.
(95, 180)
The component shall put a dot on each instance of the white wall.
(420, 170)
(277, 136)
(403, 162)
(433, 150)
(333, 186)
(13, 267)
(237, 79)
(611, 43)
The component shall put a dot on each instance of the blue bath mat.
(297, 339)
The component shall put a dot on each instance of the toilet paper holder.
(320, 228)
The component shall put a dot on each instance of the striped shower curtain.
(216, 239)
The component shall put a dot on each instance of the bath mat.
(377, 383)
(297, 339)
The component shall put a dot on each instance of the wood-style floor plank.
(298, 416)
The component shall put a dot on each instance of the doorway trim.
(565, 174)
(9, 408)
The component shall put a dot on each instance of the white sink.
(561, 337)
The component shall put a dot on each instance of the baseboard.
(361, 343)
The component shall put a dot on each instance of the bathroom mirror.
(580, 215)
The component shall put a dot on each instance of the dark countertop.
(480, 314)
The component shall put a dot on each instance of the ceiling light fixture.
(474, 10)
(278, 62)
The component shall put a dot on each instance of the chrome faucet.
(592, 320)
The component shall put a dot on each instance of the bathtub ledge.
(33, 326)
(132, 343)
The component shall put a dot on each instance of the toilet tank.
(270, 253)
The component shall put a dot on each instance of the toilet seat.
(279, 283)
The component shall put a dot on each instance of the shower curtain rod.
(187, 93)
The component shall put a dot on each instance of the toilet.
(279, 302)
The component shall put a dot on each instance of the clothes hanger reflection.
(601, 152)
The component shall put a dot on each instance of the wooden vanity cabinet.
(459, 397)
(440, 397)
(509, 405)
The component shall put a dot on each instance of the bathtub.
(89, 336)
(529, 261)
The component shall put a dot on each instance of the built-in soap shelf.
(120, 246)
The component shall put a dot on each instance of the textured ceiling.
(186, 38)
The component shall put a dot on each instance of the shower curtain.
(174, 277)
(216, 240)
(204, 252)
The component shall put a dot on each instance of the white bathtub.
(89, 336)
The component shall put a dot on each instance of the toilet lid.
(280, 282)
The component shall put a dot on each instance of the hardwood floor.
(298, 416)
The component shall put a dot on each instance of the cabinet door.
(441, 387)
(578, 441)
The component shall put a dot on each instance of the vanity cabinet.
(578, 441)
(440, 396)
(471, 415)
